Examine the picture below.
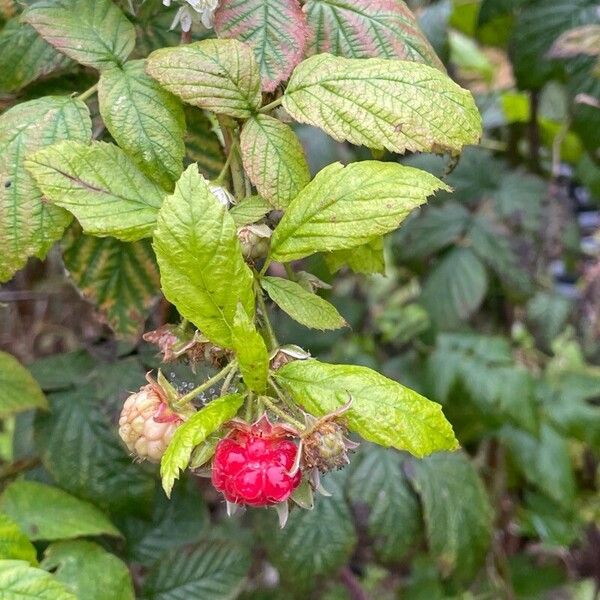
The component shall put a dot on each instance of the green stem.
(89, 92)
(273, 343)
(226, 166)
(269, 107)
(187, 398)
(228, 381)
(281, 413)
(289, 271)
(282, 397)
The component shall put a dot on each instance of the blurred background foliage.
(488, 302)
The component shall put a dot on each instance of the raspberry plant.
(157, 150)
(215, 246)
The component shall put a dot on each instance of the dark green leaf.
(25, 56)
(120, 278)
(211, 570)
(394, 520)
(457, 512)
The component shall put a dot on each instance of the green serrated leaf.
(28, 226)
(274, 159)
(275, 30)
(211, 570)
(314, 543)
(486, 370)
(249, 211)
(80, 447)
(344, 207)
(457, 512)
(218, 75)
(367, 258)
(44, 512)
(100, 185)
(303, 306)
(120, 278)
(543, 460)
(202, 269)
(202, 144)
(25, 56)
(380, 103)
(193, 432)
(14, 544)
(145, 120)
(96, 34)
(382, 410)
(430, 230)
(251, 351)
(394, 518)
(88, 570)
(18, 581)
(460, 280)
(539, 24)
(18, 389)
(368, 29)
(175, 522)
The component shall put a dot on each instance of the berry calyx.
(147, 424)
(252, 464)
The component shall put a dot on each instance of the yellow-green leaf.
(381, 103)
(28, 226)
(303, 306)
(201, 266)
(14, 544)
(146, 121)
(251, 352)
(382, 411)
(45, 512)
(219, 75)
(274, 159)
(19, 391)
(96, 34)
(100, 185)
(344, 207)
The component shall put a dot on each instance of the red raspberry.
(251, 466)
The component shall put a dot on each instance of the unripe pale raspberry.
(147, 424)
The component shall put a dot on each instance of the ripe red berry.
(252, 465)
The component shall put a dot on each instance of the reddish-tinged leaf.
(276, 30)
(367, 29)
